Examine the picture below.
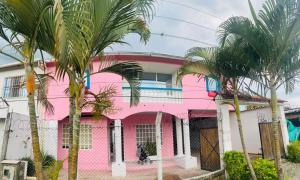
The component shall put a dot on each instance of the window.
(145, 133)
(13, 87)
(155, 80)
(65, 136)
(85, 137)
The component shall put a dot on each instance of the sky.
(198, 22)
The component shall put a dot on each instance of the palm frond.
(129, 71)
(42, 92)
(101, 102)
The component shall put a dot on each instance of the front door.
(209, 149)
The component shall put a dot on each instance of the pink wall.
(95, 158)
(130, 144)
(193, 93)
(98, 156)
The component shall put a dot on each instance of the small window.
(65, 136)
(148, 76)
(13, 87)
(164, 77)
(85, 137)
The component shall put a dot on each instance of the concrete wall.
(19, 142)
(250, 121)
(2, 124)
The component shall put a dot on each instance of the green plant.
(48, 161)
(294, 152)
(236, 165)
(30, 166)
(54, 169)
(264, 169)
(150, 148)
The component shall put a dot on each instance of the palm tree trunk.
(71, 114)
(238, 118)
(30, 86)
(76, 133)
(275, 131)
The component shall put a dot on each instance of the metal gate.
(209, 149)
(265, 130)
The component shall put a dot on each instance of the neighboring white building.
(250, 122)
(13, 91)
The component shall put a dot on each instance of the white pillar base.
(186, 162)
(118, 169)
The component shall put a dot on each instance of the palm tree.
(274, 35)
(21, 27)
(106, 23)
(231, 64)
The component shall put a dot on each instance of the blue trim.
(88, 79)
(154, 88)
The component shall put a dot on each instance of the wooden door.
(209, 149)
(266, 134)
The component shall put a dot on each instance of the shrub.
(150, 148)
(236, 165)
(264, 169)
(294, 152)
(48, 161)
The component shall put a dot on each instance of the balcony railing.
(155, 94)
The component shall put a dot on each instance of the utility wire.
(181, 37)
(187, 22)
(193, 8)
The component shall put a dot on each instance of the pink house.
(111, 143)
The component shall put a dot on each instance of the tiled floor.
(149, 174)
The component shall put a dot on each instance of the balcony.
(155, 93)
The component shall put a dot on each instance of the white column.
(158, 145)
(186, 137)
(187, 161)
(225, 143)
(283, 124)
(179, 137)
(118, 167)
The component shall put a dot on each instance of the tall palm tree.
(231, 64)
(21, 27)
(274, 35)
(106, 23)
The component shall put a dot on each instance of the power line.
(187, 22)
(184, 38)
(193, 8)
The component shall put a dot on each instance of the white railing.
(155, 94)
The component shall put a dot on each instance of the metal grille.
(85, 140)
(13, 87)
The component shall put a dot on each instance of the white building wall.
(16, 104)
(251, 129)
(19, 144)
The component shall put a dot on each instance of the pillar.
(158, 146)
(225, 143)
(283, 125)
(187, 161)
(118, 167)
(179, 137)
